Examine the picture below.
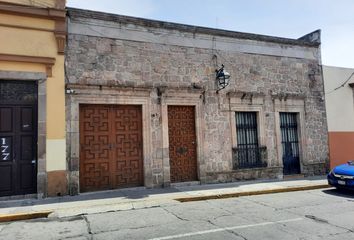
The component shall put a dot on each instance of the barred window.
(248, 154)
(290, 142)
(246, 125)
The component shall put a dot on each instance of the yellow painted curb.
(23, 216)
(260, 192)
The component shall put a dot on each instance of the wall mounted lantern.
(222, 78)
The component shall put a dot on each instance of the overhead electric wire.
(340, 86)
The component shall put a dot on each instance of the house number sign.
(5, 148)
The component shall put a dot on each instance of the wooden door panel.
(18, 151)
(27, 181)
(127, 120)
(26, 162)
(7, 134)
(110, 147)
(26, 154)
(26, 119)
(94, 148)
(182, 143)
(6, 116)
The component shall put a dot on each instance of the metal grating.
(248, 153)
(290, 142)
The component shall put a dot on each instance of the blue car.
(342, 176)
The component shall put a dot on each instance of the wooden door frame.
(179, 98)
(112, 159)
(91, 95)
(40, 78)
(177, 158)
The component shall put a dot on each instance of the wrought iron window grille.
(250, 157)
(248, 153)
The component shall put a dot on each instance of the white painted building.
(339, 83)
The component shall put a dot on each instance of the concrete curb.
(250, 193)
(184, 197)
(23, 216)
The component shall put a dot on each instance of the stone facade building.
(143, 107)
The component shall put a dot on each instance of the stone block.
(74, 182)
(42, 184)
(57, 183)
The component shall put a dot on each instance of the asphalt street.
(316, 214)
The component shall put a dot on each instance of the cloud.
(125, 7)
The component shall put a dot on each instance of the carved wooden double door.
(110, 147)
(182, 143)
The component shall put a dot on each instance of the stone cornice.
(88, 14)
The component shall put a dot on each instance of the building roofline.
(83, 13)
(338, 67)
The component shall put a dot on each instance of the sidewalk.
(135, 198)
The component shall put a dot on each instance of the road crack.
(317, 219)
(324, 221)
(221, 208)
(263, 204)
(118, 230)
(88, 225)
(237, 234)
(175, 215)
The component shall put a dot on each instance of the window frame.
(255, 139)
(291, 106)
(260, 123)
(249, 154)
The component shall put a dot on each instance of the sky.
(281, 18)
